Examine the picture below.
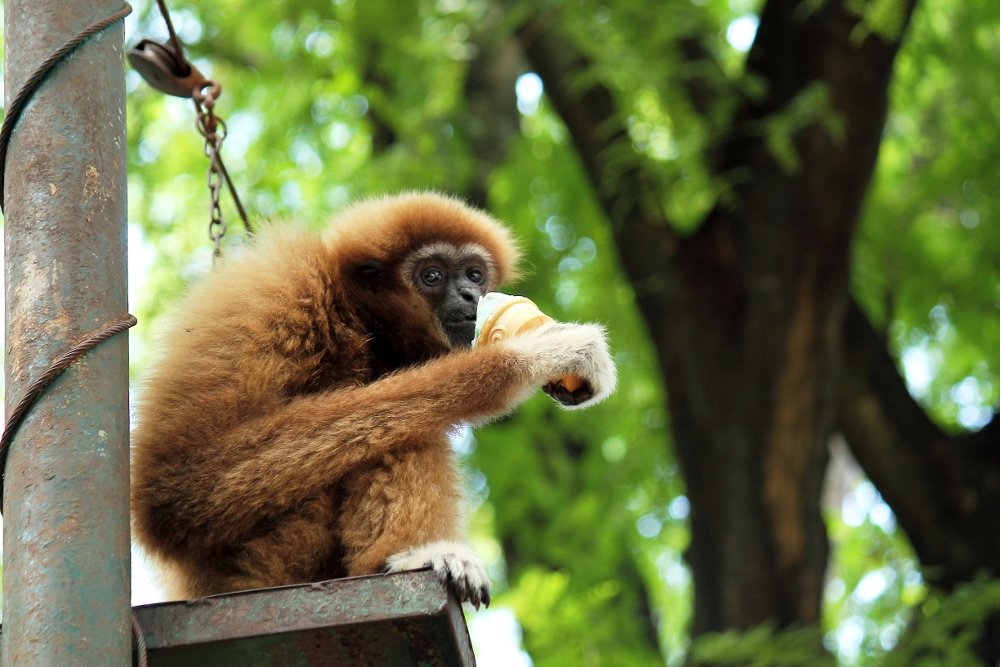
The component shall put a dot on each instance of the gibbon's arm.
(309, 443)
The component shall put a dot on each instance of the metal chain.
(167, 69)
(213, 129)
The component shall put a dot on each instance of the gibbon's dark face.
(452, 279)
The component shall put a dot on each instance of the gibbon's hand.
(561, 349)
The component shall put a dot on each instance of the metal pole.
(66, 531)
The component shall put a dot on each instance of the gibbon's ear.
(371, 273)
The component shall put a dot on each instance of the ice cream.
(500, 316)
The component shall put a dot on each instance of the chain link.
(168, 70)
(213, 129)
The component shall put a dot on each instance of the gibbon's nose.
(468, 293)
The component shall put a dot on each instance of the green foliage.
(884, 18)
(945, 633)
(551, 609)
(873, 581)
(762, 646)
(669, 133)
(927, 257)
(810, 106)
(566, 490)
(942, 635)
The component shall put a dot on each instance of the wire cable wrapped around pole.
(66, 556)
(13, 112)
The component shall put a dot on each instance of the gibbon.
(295, 426)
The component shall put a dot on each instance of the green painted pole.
(66, 530)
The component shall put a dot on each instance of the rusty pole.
(66, 531)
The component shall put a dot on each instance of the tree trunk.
(746, 312)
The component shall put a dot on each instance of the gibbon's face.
(452, 279)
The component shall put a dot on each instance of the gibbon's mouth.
(461, 331)
(465, 323)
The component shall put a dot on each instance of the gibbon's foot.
(454, 563)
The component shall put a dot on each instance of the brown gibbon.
(295, 426)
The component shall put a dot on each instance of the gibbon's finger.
(481, 596)
(475, 598)
(559, 392)
(564, 351)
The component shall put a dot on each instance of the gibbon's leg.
(297, 549)
(403, 513)
(294, 551)
(265, 466)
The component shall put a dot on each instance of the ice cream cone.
(501, 316)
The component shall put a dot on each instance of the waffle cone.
(513, 316)
(503, 316)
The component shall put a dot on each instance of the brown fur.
(295, 426)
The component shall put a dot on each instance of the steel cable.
(13, 112)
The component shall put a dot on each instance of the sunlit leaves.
(928, 256)
(881, 17)
(873, 582)
(947, 628)
(810, 106)
(761, 647)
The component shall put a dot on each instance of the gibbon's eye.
(476, 275)
(431, 276)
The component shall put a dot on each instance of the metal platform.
(401, 619)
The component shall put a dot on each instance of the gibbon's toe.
(466, 577)
(455, 565)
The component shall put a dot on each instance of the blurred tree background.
(786, 212)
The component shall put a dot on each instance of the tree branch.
(490, 120)
(624, 188)
(943, 489)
